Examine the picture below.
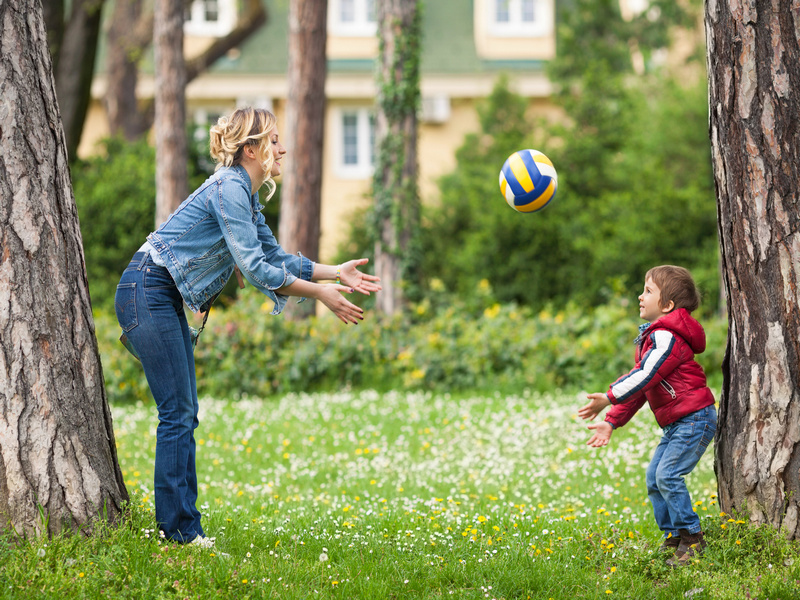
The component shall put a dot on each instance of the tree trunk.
(754, 89)
(130, 33)
(301, 192)
(59, 467)
(73, 47)
(395, 187)
(53, 11)
(75, 69)
(172, 178)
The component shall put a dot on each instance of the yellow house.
(467, 45)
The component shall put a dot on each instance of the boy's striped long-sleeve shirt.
(665, 374)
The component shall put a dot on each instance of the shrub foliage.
(446, 346)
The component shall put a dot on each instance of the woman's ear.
(249, 151)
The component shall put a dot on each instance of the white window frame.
(360, 26)
(515, 27)
(365, 124)
(197, 25)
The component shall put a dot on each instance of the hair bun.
(244, 126)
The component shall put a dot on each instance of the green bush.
(451, 346)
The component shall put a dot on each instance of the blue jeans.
(150, 311)
(682, 445)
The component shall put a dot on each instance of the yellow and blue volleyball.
(528, 181)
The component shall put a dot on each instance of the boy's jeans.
(682, 445)
(150, 310)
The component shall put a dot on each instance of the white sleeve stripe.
(663, 342)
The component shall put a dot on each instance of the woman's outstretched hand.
(330, 294)
(351, 277)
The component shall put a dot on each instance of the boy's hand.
(591, 410)
(602, 433)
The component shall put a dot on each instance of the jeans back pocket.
(125, 306)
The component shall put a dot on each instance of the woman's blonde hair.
(245, 126)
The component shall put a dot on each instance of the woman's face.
(277, 151)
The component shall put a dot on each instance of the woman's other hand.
(330, 294)
(350, 276)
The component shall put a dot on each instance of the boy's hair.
(676, 285)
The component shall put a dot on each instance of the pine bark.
(58, 460)
(754, 91)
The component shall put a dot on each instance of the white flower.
(41, 553)
(323, 557)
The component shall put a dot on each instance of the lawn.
(363, 495)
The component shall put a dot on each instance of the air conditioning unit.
(435, 109)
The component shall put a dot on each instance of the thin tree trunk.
(301, 192)
(395, 187)
(75, 69)
(754, 88)
(130, 33)
(53, 11)
(58, 463)
(172, 179)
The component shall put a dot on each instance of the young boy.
(667, 376)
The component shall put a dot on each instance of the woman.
(189, 259)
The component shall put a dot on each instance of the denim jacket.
(216, 228)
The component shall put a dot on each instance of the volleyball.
(528, 181)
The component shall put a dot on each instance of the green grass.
(361, 495)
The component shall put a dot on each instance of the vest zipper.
(669, 389)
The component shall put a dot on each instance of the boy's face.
(650, 307)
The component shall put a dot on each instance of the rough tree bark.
(172, 177)
(58, 460)
(754, 90)
(395, 188)
(301, 192)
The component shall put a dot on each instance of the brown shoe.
(691, 546)
(670, 543)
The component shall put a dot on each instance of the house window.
(356, 146)
(519, 18)
(214, 18)
(352, 18)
